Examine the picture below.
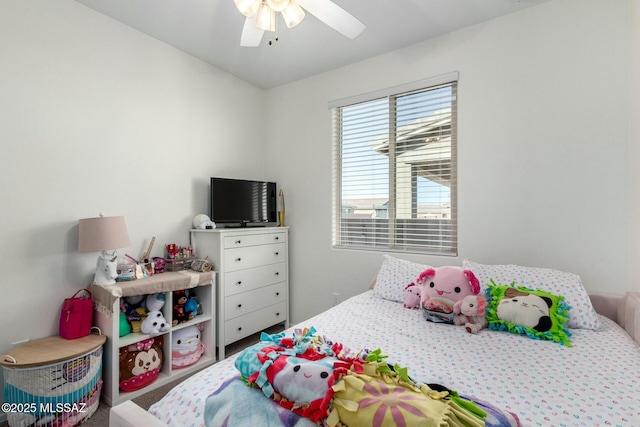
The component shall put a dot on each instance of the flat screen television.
(239, 202)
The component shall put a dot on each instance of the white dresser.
(253, 278)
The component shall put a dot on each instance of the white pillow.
(394, 275)
(582, 315)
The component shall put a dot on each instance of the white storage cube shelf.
(112, 394)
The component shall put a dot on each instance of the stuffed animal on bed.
(441, 288)
(469, 311)
(526, 309)
(412, 296)
(331, 385)
(301, 380)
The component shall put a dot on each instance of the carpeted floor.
(101, 417)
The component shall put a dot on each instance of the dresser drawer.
(253, 322)
(254, 239)
(254, 278)
(254, 256)
(246, 302)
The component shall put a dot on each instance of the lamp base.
(106, 269)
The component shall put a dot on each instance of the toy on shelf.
(140, 364)
(135, 311)
(184, 307)
(126, 271)
(124, 327)
(155, 323)
(186, 346)
(158, 264)
(142, 314)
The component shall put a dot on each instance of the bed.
(593, 382)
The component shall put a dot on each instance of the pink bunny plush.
(469, 312)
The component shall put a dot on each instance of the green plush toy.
(125, 327)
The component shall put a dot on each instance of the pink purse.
(76, 316)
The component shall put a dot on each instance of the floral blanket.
(309, 380)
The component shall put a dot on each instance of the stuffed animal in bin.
(412, 296)
(184, 308)
(140, 364)
(441, 288)
(469, 311)
(186, 346)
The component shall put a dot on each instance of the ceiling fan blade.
(334, 16)
(251, 35)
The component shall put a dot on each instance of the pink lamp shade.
(102, 234)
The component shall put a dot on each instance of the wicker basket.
(63, 393)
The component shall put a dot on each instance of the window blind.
(394, 168)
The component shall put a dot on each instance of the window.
(394, 176)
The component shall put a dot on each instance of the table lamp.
(103, 234)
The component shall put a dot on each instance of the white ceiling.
(211, 29)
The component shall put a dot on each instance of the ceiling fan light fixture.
(292, 14)
(278, 5)
(248, 7)
(266, 19)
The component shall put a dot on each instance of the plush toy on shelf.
(155, 323)
(135, 311)
(441, 288)
(124, 327)
(184, 307)
(140, 364)
(470, 312)
(186, 346)
(155, 302)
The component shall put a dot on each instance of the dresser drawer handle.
(277, 253)
(277, 294)
(277, 273)
(238, 259)
(240, 328)
(278, 314)
(239, 282)
(238, 242)
(239, 305)
(277, 237)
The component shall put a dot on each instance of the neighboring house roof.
(425, 144)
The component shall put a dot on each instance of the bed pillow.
(394, 275)
(520, 310)
(582, 315)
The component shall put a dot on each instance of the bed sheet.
(594, 383)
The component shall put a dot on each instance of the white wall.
(544, 148)
(96, 117)
(634, 143)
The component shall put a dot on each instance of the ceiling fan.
(261, 17)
